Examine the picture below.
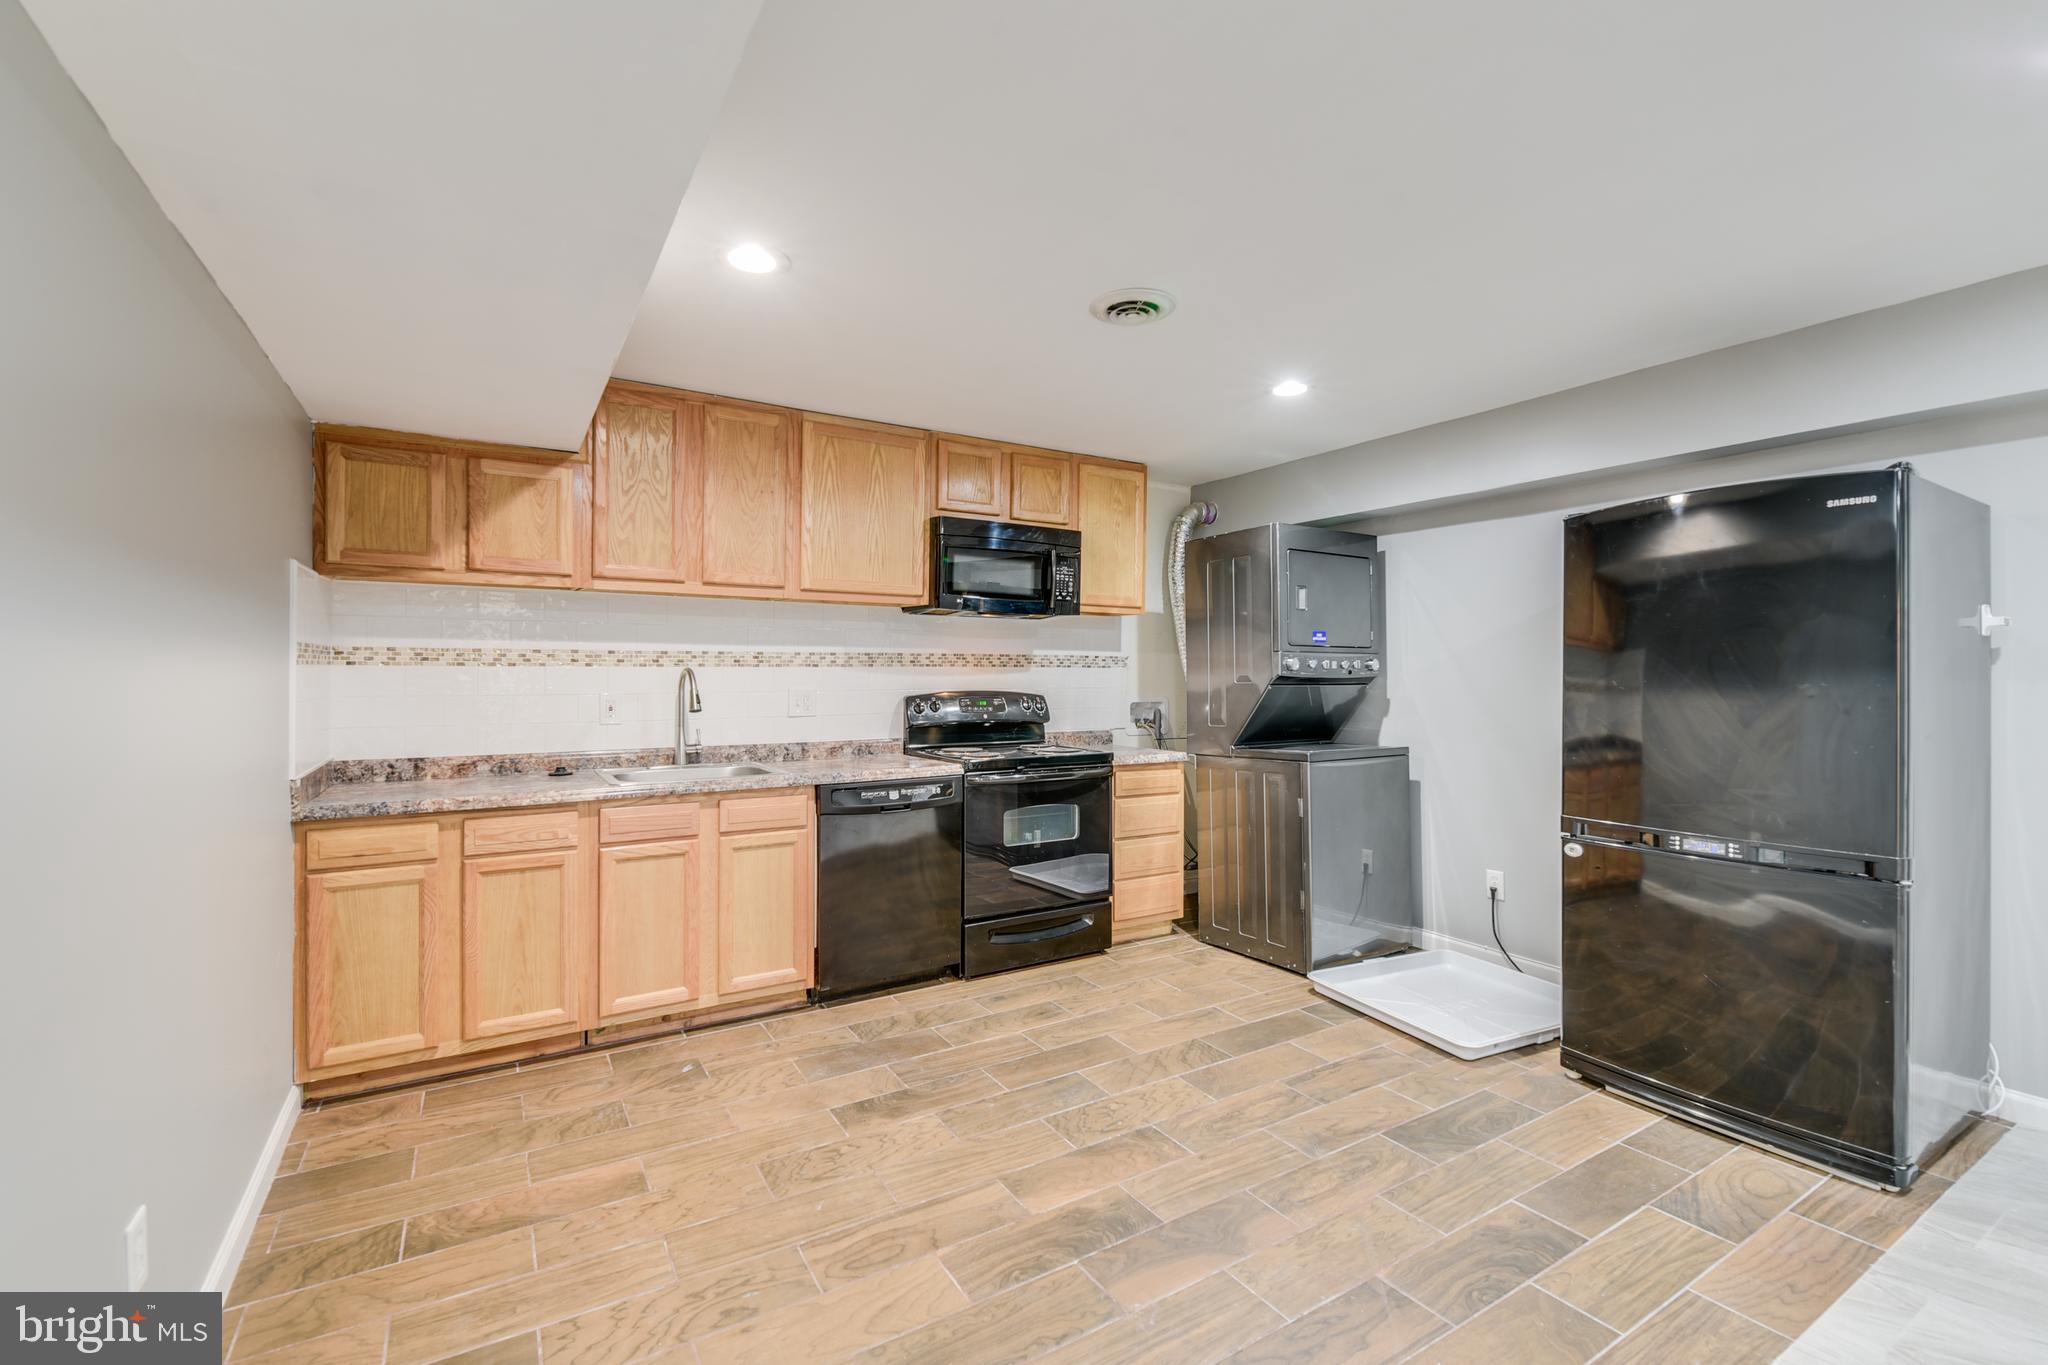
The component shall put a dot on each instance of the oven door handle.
(1043, 775)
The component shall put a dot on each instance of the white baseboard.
(1430, 938)
(225, 1261)
(2022, 1108)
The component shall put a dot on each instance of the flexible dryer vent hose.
(1186, 520)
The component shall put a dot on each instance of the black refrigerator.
(1775, 808)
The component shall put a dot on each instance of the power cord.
(1493, 917)
(1994, 1088)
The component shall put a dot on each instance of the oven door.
(1036, 839)
(992, 578)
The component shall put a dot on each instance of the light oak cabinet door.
(1041, 488)
(640, 487)
(1111, 495)
(652, 900)
(747, 496)
(521, 951)
(866, 489)
(523, 517)
(765, 910)
(972, 478)
(369, 963)
(383, 509)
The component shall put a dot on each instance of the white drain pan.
(1468, 1007)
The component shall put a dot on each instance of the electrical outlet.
(1496, 883)
(607, 709)
(137, 1236)
(803, 701)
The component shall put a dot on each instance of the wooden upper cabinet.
(369, 954)
(1041, 487)
(523, 517)
(747, 496)
(382, 509)
(865, 493)
(972, 478)
(640, 484)
(1111, 497)
(521, 952)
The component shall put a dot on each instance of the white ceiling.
(442, 216)
(433, 216)
(1425, 210)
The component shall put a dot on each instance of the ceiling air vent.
(1132, 307)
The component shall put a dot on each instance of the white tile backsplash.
(414, 710)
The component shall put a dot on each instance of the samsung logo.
(1853, 502)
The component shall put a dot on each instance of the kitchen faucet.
(689, 749)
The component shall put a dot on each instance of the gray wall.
(1474, 622)
(156, 482)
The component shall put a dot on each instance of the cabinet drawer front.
(786, 811)
(1148, 897)
(1148, 779)
(1148, 856)
(667, 820)
(408, 841)
(519, 833)
(1142, 815)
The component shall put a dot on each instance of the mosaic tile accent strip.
(509, 656)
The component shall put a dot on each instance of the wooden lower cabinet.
(651, 901)
(764, 910)
(522, 951)
(1148, 822)
(423, 941)
(369, 952)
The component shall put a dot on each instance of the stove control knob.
(1290, 663)
(917, 707)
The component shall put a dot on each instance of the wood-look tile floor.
(1169, 1154)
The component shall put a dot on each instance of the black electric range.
(1036, 840)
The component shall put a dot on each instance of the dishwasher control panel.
(865, 796)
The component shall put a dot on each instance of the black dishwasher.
(888, 884)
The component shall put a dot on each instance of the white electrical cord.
(1994, 1088)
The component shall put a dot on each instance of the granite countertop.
(1129, 755)
(506, 786)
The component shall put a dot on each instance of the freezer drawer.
(1768, 996)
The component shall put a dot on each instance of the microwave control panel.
(1066, 579)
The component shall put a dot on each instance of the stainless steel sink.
(682, 772)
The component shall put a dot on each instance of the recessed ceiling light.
(1289, 388)
(756, 259)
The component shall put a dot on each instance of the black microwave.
(1003, 568)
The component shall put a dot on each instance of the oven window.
(1029, 826)
(1018, 574)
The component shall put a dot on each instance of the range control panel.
(1346, 665)
(946, 708)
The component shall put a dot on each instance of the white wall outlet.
(607, 709)
(137, 1237)
(803, 701)
(1496, 883)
